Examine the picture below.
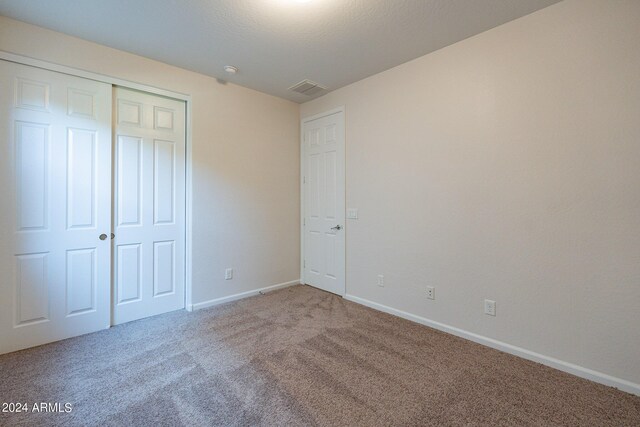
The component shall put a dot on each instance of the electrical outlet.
(381, 280)
(431, 292)
(228, 274)
(489, 307)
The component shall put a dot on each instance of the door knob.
(112, 236)
(337, 227)
(103, 237)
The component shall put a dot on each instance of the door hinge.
(304, 221)
(304, 179)
(304, 263)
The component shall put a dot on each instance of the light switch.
(352, 213)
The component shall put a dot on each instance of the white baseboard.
(241, 295)
(561, 365)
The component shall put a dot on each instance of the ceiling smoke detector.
(230, 69)
(307, 87)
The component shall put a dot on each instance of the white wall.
(507, 166)
(245, 162)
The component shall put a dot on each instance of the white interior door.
(324, 203)
(55, 187)
(149, 205)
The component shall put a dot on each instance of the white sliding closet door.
(149, 205)
(55, 188)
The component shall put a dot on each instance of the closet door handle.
(103, 237)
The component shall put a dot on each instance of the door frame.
(303, 121)
(38, 63)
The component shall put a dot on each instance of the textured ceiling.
(274, 43)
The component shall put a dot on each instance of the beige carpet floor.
(301, 357)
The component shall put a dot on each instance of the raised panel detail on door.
(313, 185)
(129, 113)
(163, 181)
(330, 249)
(331, 184)
(32, 95)
(330, 132)
(129, 178)
(162, 118)
(129, 266)
(81, 281)
(32, 291)
(324, 202)
(312, 256)
(150, 195)
(314, 138)
(163, 266)
(81, 178)
(55, 181)
(32, 175)
(81, 103)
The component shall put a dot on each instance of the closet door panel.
(55, 183)
(150, 205)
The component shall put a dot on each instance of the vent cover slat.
(307, 87)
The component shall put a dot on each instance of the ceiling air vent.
(307, 87)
